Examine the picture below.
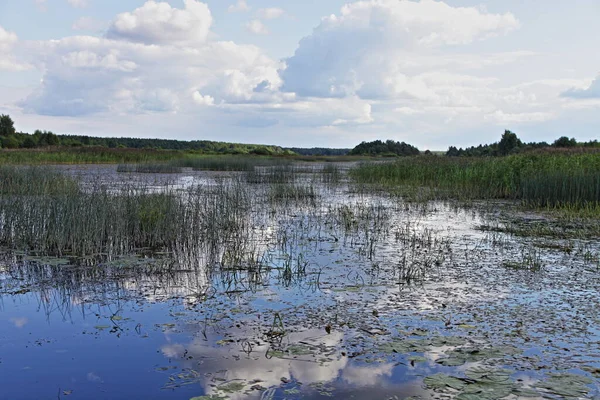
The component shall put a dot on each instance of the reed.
(227, 163)
(43, 211)
(553, 180)
(149, 168)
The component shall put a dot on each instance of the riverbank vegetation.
(557, 179)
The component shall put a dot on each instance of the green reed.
(547, 180)
(43, 211)
(226, 163)
(149, 168)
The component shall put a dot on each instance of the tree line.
(11, 139)
(511, 144)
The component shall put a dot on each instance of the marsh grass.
(149, 168)
(43, 211)
(86, 155)
(34, 181)
(290, 193)
(227, 163)
(555, 180)
(531, 260)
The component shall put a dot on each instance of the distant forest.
(10, 139)
(318, 151)
(511, 144)
(387, 148)
(508, 144)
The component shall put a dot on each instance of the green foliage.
(508, 143)
(9, 142)
(555, 180)
(511, 144)
(564, 141)
(7, 125)
(388, 148)
(318, 151)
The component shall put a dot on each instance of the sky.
(311, 73)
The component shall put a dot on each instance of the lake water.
(344, 294)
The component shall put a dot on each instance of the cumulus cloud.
(203, 100)
(240, 6)
(363, 50)
(591, 92)
(159, 23)
(86, 75)
(270, 13)
(8, 61)
(257, 27)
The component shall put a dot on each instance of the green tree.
(9, 142)
(29, 142)
(508, 143)
(564, 142)
(7, 125)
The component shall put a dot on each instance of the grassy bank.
(553, 180)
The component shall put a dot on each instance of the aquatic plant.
(557, 180)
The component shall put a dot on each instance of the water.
(355, 296)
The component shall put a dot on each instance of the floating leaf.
(525, 392)
(102, 327)
(232, 387)
(451, 361)
(488, 375)
(442, 381)
(567, 385)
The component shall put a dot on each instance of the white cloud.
(87, 24)
(86, 75)
(590, 92)
(203, 100)
(8, 62)
(78, 3)
(519, 118)
(240, 6)
(365, 50)
(270, 13)
(257, 27)
(159, 23)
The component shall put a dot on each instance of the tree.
(7, 125)
(9, 142)
(452, 152)
(29, 142)
(508, 143)
(564, 142)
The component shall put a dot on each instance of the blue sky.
(312, 73)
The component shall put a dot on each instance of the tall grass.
(86, 155)
(555, 180)
(227, 163)
(150, 168)
(43, 211)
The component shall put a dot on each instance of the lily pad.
(443, 381)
